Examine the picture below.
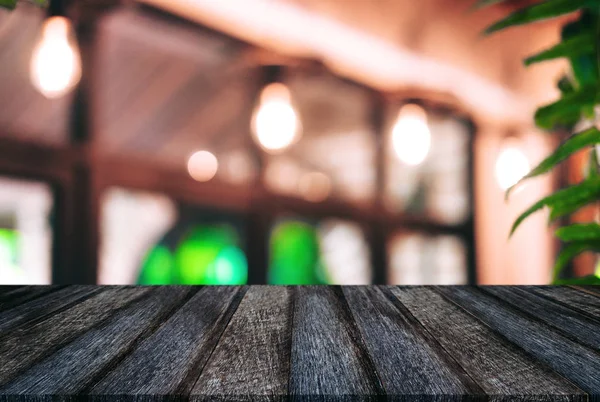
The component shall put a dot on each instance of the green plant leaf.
(565, 85)
(539, 11)
(568, 205)
(579, 232)
(571, 251)
(561, 112)
(592, 169)
(576, 46)
(563, 200)
(585, 69)
(584, 66)
(585, 280)
(574, 143)
(10, 4)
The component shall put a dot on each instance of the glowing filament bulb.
(56, 63)
(511, 165)
(275, 124)
(411, 137)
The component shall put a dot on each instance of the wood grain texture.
(408, 359)
(24, 346)
(4, 289)
(565, 320)
(587, 303)
(329, 358)
(14, 295)
(252, 358)
(44, 306)
(567, 357)
(501, 368)
(593, 289)
(71, 369)
(171, 359)
(301, 343)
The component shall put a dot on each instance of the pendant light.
(275, 121)
(55, 67)
(411, 137)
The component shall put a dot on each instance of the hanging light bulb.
(411, 137)
(275, 124)
(512, 164)
(55, 63)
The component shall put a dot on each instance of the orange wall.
(528, 256)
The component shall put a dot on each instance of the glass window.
(419, 259)
(325, 252)
(428, 174)
(335, 153)
(149, 239)
(25, 232)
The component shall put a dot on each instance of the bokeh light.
(275, 123)
(511, 165)
(295, 255)
(411, 137)
(158, 267)
(202, 166)
(207, 255)
(314, 186)
(55, 63)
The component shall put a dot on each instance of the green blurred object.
(8, 246)
(207, 255)
(9, 268)
(295, 255)
(158, 267)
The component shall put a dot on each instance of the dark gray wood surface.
(302, 343)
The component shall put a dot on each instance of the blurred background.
(272, 141)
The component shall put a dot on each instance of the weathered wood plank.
(44, 306)
(4, 289)
(578, 300)
(252, 359)
(26, 345)
(11, 296)
(578, 363)
(501, 368)
(408, 359)
(71, 369)
(593, 289)
(171, 359)
(328, 355)
(554, 314)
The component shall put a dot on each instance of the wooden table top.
(307, 342)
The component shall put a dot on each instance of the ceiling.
(434, 45)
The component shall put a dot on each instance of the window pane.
(25, 232)
(437, 187)
(327, 252)
(418, 259)
(335, 155)
(149, 239)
